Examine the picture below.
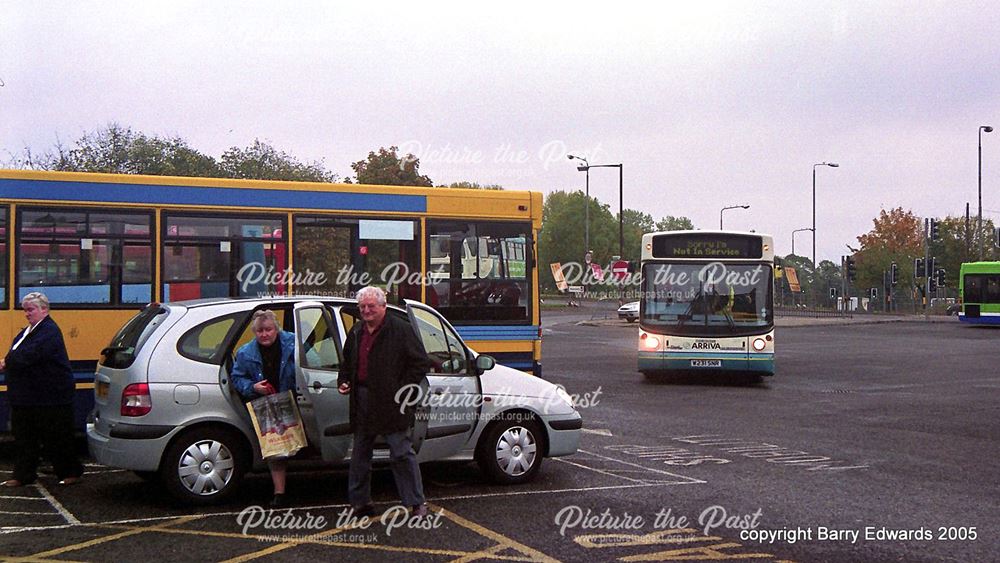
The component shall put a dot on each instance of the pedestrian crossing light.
(874, 293)
(833, 293)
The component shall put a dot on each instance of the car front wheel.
(204, 466)
(510, 452)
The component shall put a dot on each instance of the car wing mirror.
(484, 363)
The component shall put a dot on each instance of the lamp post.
(979, 218)
(832, 165)
(621, 218)
(793, 237)
(730, 207)
(586, 210)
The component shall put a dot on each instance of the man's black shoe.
(420, 510)
(361, 511)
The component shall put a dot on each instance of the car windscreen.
(126, 343)
(713, 299)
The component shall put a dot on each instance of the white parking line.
(67, 515)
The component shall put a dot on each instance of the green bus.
(979, 290)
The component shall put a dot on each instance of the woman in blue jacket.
(262, 367)
(40, 388)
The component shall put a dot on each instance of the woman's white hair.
(370, 292)
(38, 298)
(265, 315)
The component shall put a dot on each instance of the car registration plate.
(706, 363)
(101, 389)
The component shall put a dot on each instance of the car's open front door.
(317, 363)
(449, 408)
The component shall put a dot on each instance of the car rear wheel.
(204, 466)
(511, 452)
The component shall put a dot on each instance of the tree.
(120, 150)
(671, 223)
(897, 236)
(634, 226)
(388, 169)
(261, 161)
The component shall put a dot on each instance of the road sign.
(620, 269)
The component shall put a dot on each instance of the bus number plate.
(706, 363)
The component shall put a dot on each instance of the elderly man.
(40, 388)
(381, 355)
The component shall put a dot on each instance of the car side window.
(446, 354)
(318, 338)
(206, 342)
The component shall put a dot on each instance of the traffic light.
(941, 277)
(918, 268)
(894, 274)
(874, 293)
(931, 263)
(852, 269)
(935, 229)
(833, 293)
(932, 283)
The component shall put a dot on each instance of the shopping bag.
(278, 425)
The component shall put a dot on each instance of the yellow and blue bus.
(102, 246)
(979, 292)
(707, 302)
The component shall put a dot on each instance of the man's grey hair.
(38, 298)
(370, 292)
(265, 315)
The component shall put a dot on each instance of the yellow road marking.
(98, 541)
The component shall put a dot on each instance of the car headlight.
(562, 394)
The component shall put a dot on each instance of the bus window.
(353, 253)
(223, 256)
(85, 258)
(479, 270)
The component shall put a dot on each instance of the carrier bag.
(278, 425)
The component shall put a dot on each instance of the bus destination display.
(707, 246)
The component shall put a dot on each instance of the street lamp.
(621, 206)
(832, 165)
(793, 237)
(586, 211)
(730, 207)
(979, 218)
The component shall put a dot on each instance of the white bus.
(707, 302)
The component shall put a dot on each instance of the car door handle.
(317, 385)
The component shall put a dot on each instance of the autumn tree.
(387, 168)
(261, 161)
(897, 236)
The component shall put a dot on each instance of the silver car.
(165, 408)
(629, 311)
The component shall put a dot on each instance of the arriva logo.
(706, 346)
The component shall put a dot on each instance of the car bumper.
(564, 434)
(136, 454)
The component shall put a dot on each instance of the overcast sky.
(706, 104)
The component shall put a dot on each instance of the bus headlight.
(651, 342)
(759, 344)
